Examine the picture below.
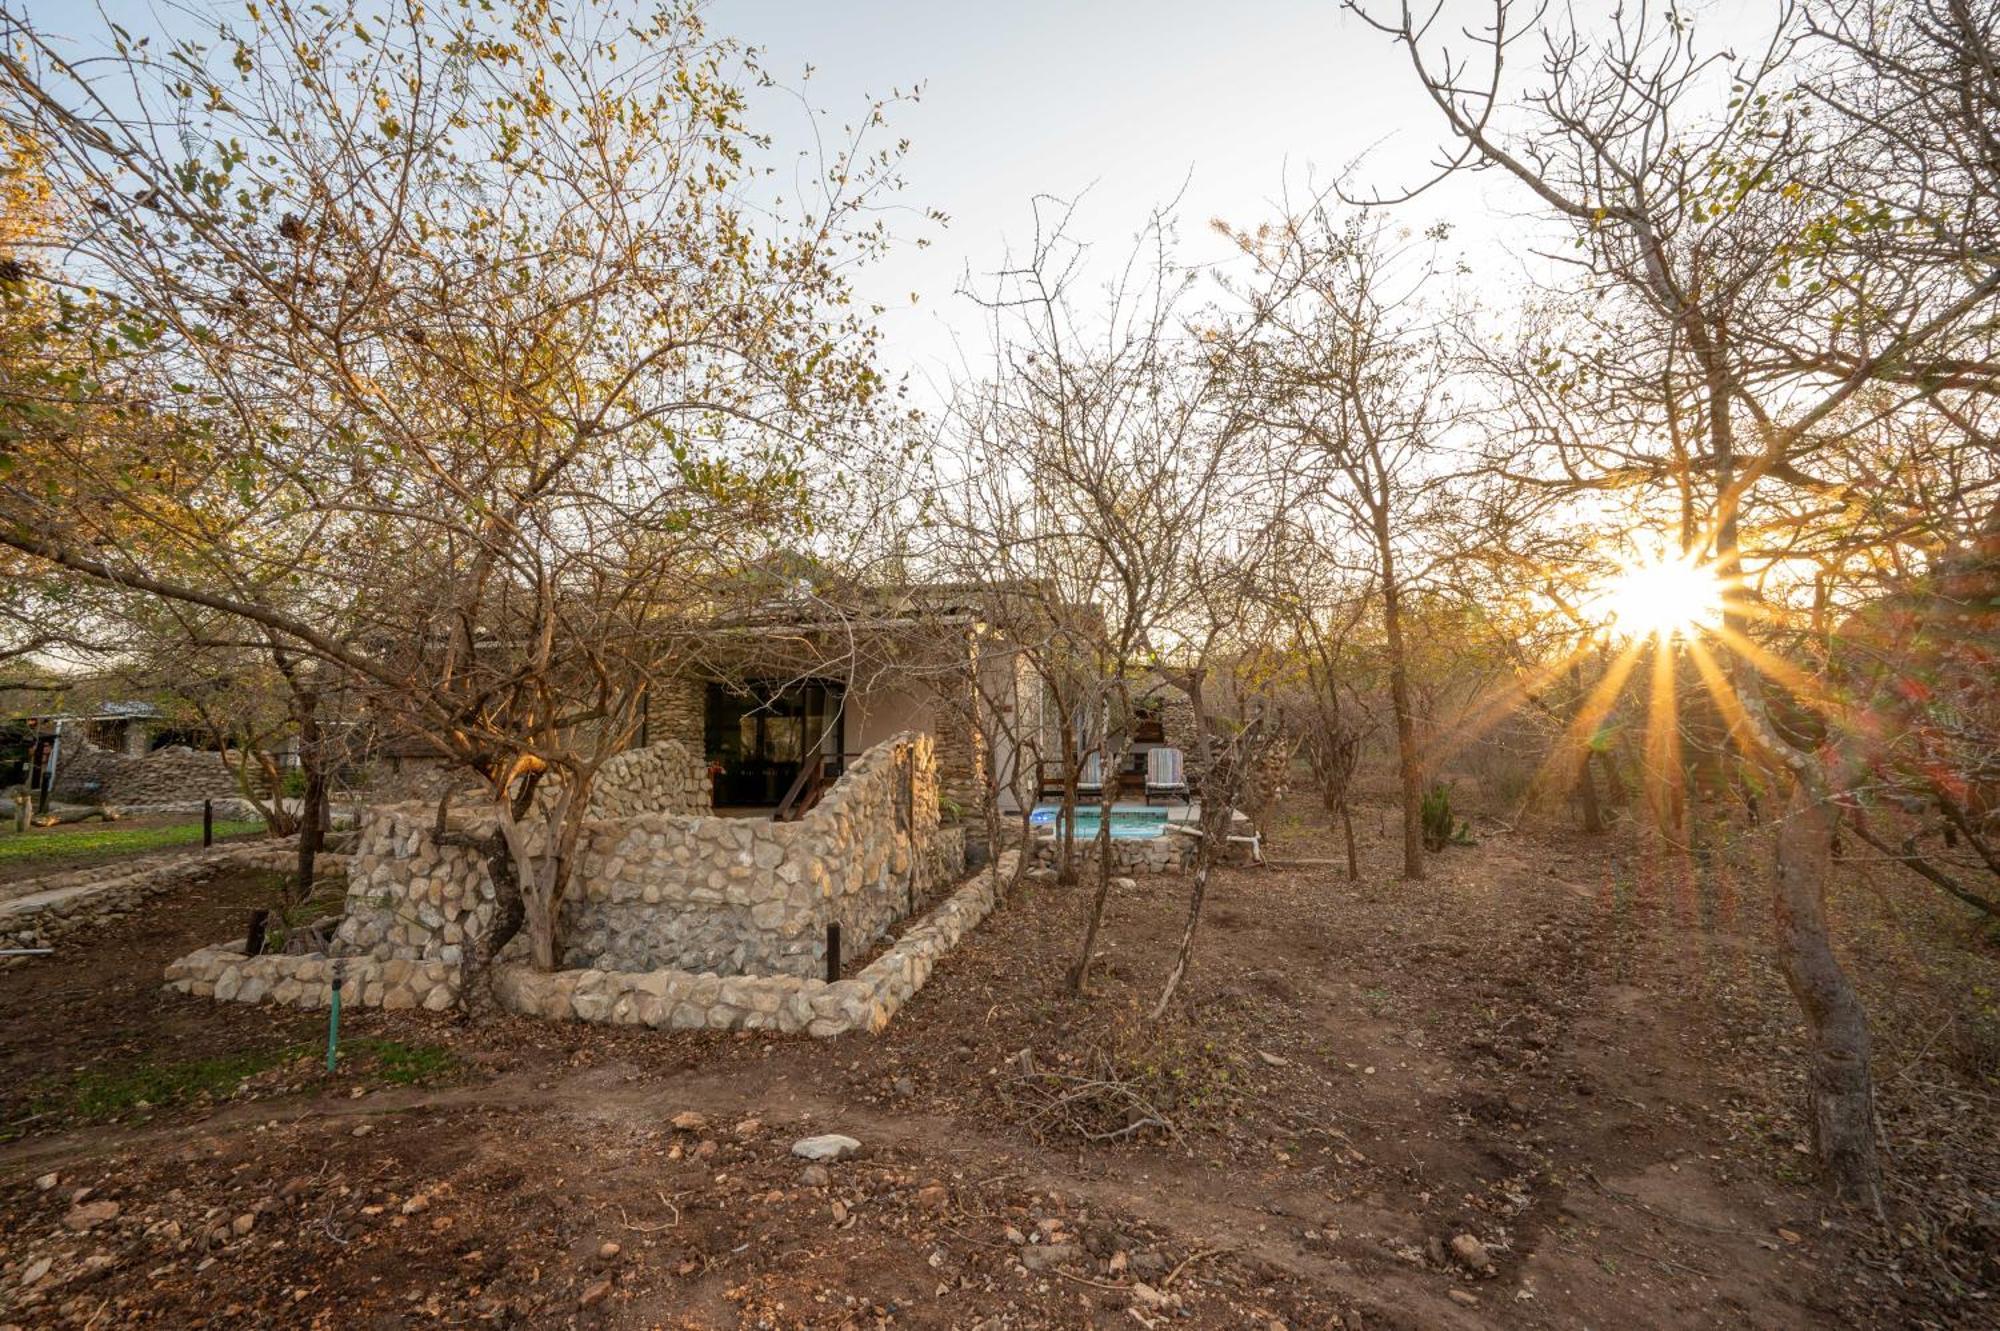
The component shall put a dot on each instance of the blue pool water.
(1126, 824)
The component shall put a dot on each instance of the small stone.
(90, 1215)
(36, 1270)
(1117, 1262)
(1015, 1236)
(243, 1224)
(47, 1181)
(595, 1293)
(689, 1121)
(1465, 1297)
(705, 1151)
(608, 1251)
(417, 1203)
(933, 1197)
(750, 1127)
(904, 1086)
(1471, 1253)
(1146, 1294)
(1040, 1257)
(815, 1176)
(826, 1146)
(363, 1130)
(839, 1211)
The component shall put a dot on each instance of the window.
(759, 734)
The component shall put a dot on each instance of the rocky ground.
(1554, 1085)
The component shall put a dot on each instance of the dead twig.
(1188, 1261)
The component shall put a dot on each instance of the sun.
(1663, 597)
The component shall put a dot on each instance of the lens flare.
(1663, 598)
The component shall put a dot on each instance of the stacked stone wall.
(660, 778)
(42, 912)
(659, 888)
(225, 974)
(410, 898)
(704, 914)
(685, 1000)
(676, 710)
(1169, 853)
(86, 772)
(751, 896)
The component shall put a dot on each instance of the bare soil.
(1570, 1051)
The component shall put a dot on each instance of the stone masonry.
(684, 1000)
(85, 772)
(713, 911)
(750, 896)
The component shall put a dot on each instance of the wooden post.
(832, 951)
(208, 825)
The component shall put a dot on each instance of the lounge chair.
(1166, 773)
(1090, 781)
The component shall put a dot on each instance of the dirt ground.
(1555, 1085)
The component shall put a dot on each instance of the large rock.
(826, 1146)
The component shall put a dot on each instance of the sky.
(1124, 104)
(1121, 103)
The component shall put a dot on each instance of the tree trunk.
(539, 918)
(1614, 784)
(1586, 789)
(1399, 700)
(1220, 793)
(1079, 975)
(508, 917)
(1347, 830)
(1066, 828)
(311, 814)
(1839, 1090)
(1204, 860)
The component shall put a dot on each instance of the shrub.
(1439, 828)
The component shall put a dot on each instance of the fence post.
(207, 823)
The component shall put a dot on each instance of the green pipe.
(333, 1015)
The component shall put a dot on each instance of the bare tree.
(451, 361)
(1726, 279)
(1348, 367)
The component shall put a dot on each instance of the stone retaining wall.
(662, 888)
(660, 778)
(685, 1000)
(750, 896)
(409, 898)
(680, 906)
(224, 973)
(42, 912)
(87, 773)
(680, 1000)
(1169, 853)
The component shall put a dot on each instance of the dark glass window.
(759, 734)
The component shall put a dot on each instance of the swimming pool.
(1126, 824)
